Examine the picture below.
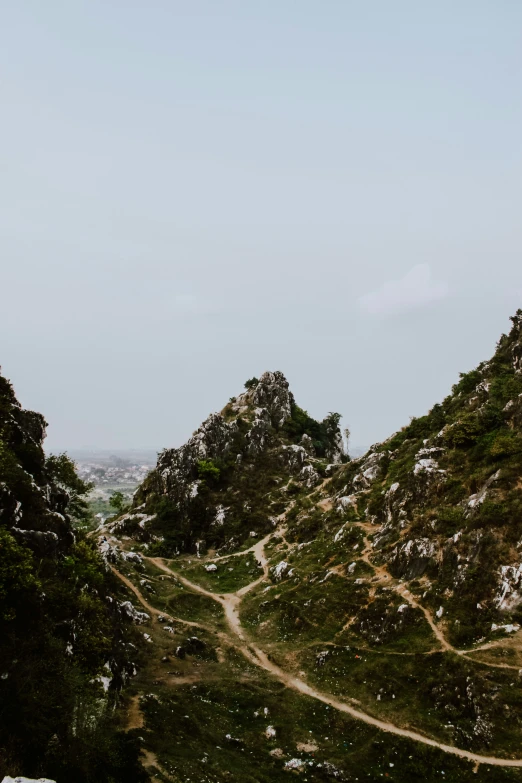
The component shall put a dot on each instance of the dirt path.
(403, 591)
(151, 760)
(253, 653)
(259, 658)
(229, 601)
(135, 720)
(256, 548)
(153, 611)
(134, 714)
(300, 686)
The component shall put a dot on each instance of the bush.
(505, 444)
(208, 471)
(468, 382)
(465, 432)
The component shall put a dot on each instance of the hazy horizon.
(193, 195)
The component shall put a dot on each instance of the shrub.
(208, 471)
(464, 432)
(468, 382)
(505, 444)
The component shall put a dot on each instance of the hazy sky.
(192, 193)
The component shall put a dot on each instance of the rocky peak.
(212, 484)
(33, 505)
(270, 392)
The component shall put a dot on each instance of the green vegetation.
(322, 433)
(62, 471)
(232, 574)
(208, 472)
(59, 624)
(215, 731)
(117, 501)
(18, 581)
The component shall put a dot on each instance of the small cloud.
(416, 289)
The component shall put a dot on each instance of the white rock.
(294, 764)
(369, 471)
(270, 732)
(211, 567)
(279, 570)
(439, 612)
(133, 614)
(480, 496)
(507, 628)
(8, 779)
(132, 557)
(220, 515)
(429, 452)
(509, 591)
(348, 501)
(427, 465)
(309, 475)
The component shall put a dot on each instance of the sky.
(193, 193)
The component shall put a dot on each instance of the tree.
(208, 471)
(62, 470)
(251, 383)
(117, 502)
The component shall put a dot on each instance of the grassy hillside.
(385, 589)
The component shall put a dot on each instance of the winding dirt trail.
(153, 611)
(231, 603)
(258, 657)
(403, 591)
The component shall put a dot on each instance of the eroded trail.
(153, 611)
(402, 590)
(258, 657)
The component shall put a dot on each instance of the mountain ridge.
(389, 582)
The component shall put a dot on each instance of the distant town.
(111, 472)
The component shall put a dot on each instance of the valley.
(263, 605)
(263, 657)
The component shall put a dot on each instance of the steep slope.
(385, 589)
(415, 549)
(64, 639)
(235, 474)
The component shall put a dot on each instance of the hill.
(339, 619)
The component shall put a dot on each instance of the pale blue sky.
(191, 193)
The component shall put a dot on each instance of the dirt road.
(257, 656)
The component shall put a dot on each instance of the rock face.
(270, 393)
(260, 439)
(33, 506)
(176, 472)
(7, 779)
(412, 558)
